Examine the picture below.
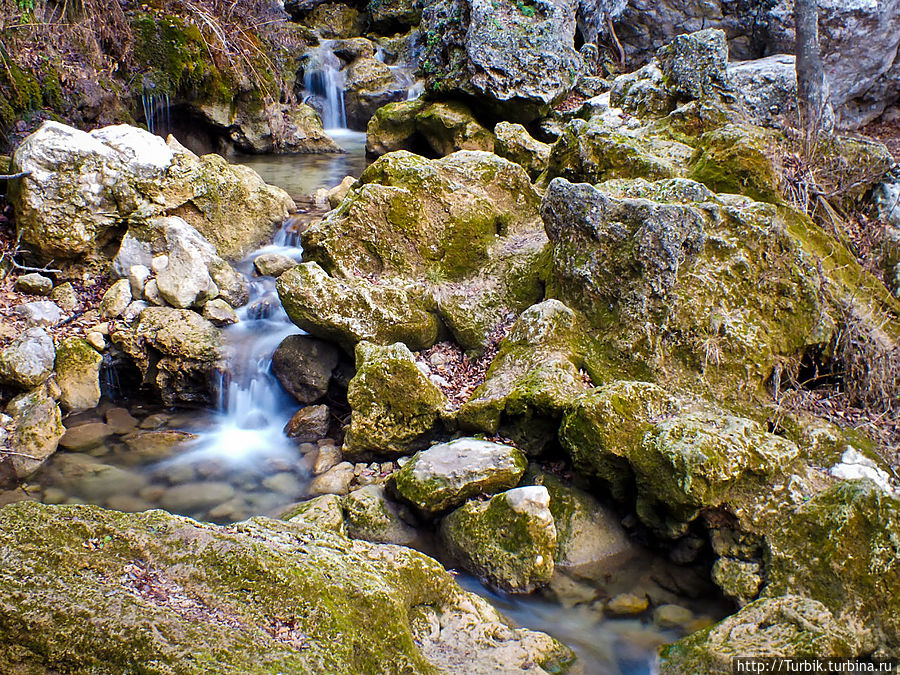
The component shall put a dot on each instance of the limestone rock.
(309, 424)
(116, 299)
(78, 374)
(738, 579)
(446, 475)
(509, 540)
(28, 360)
(393, 127)
(386, 15)
(85, 436)
(324, 512)
(515, 144)
(273, 264)
(449, 127)
(40, 313)
(36, 430)
(304, 366)
(766, 87)
(395, 407)
(219, 313)
(367, 596)
(370, 84)
(369, 515)
(335, 481)
(693, 65)
(34, 284)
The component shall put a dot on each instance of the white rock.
(41, 313)
(137, 277)
(854, 466)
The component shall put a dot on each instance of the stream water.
(234, 462)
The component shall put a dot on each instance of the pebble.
(329, 456)
(192, 497)
(159, 263)
(152, 294)
(284, 483)
(128, 504)
(65, 296)
(335, 481)
(96, 340)
(137, 278)
(672, 616)
(120, 420)
(626, 604)
(85, 436)
(53, 495)
(34, 284)
(40, 313)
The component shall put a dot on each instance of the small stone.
(40, 313)
(53, 495)
(273, 264)
(137, 278)
(672, 616)
(309, 424)
(219, 312)
(371, 516)
(194, 497)
(96, 340)
(120, 420)
(156, 445)
(65, 297)
(116, 299)
(78, 374)
(159, 263)
(627, 604)
(102, 328)
(128, 504)
(285, 484)
(133, 312)
(335, 481)
(34, 284)
(85, 436)
(325, 512)
(28, 361)
(329, 456)
(152, 294)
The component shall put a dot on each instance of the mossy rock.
(262, 596)
(787, 627)
(386, 15)
(451, 126)
(509, 540)
(842, 548)
(393, 127)
(395, 407)
(36, 430)
(347, 310)
(371, 516)
(334, 20)
(78, 374)
(513, 142)
(736, 159)
(325, 512)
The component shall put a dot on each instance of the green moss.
(736, 159)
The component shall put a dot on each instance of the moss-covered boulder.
(736, 159)
(78, 374)
(387, 15)
(393, 127)
(304, 366)
(513, 142)
(714, 291)
(331, 20)
(36, 428)
(842, 548)
(325, 513)
(258, 597)
(450, 126)
(347, 309)
(62, 214)
(509, 540)
(446, 475)
(371, 516)
(456, 238)
(176, 350)
(370, 84)
(789, 626)
(395, 407)
(537, 373)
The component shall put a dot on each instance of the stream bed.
(228, 464)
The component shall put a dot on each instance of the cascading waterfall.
(324, 81)
(157, 112)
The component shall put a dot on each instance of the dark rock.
(304, 366)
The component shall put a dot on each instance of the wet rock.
(789, 626)
(672, 616)
(513, 142)
(509, 540)
(87, 477)
(516, 61)
(304, 366)
(195, 497)
(61, 214)
(325, 512)
(335, 481)
(309, 424)
(120, 420)
(368, 596)
(41, 313)
(393, 127)
(155, 445)
(626, 604)
(370, 84)
(36, 428)
(387, 15)
(273, 264)
(332, 20)
(34, 284)
(327, 457)
(350, 49)
(284, 483)
(85, 436)
(28, 360)
(369, 515)
(738, 579)
(219, 313)
(78, 374)
(116, 299)
(446, 475)
(395, 407)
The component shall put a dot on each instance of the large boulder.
(304, 366)
(450, 126)
(634, 256)
(693, 65)
(28, 360)
(515, 58)
(446, 475)
(371, 516)
(417, 242)
(374, 608)
(176, 350)
(515, 144)
(83, 186)
(395, 407)
(370, 84)
(509, 540)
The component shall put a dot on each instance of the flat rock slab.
(446, 475)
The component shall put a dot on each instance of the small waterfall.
(324, 82)
(156, 112)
